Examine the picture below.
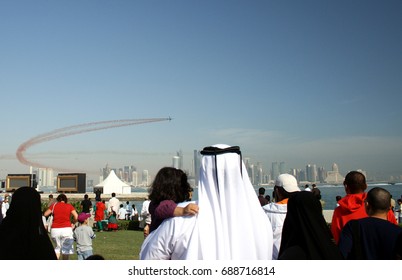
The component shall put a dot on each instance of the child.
(83, 236)
(168, 209)
(169, 187)
(112, 221)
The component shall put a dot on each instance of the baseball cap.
(288, 182)
(83, 216)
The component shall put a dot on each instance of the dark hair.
(62, 197)
(170, 184)
(261, 190)
(379, 199)
(338, 197)
(356, 182)
(95, 257)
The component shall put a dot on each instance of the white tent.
(112, 184)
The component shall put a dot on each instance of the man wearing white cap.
(222, 230)
(285, 185)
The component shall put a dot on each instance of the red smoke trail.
(73, 130)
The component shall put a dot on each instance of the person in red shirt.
(351, 207)
(64, 218)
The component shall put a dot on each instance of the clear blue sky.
(295, 81)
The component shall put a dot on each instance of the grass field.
(119, 245)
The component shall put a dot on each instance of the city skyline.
(310, 173)
(314, 82)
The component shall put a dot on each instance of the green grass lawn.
(119, 245)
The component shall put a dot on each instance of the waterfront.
(328, 193)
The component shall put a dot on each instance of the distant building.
(145, 178)
(334, 177)
(176, 162)
(275, 170)
(311, 172)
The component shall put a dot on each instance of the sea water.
(328, 193)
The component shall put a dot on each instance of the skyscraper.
(311, 171)
(134, 176)
(275, 170)
(282, 168)
(334, 177)
(176, 162)
(181, 160)
(145, 178)
(45, 177)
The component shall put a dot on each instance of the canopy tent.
(112, 184)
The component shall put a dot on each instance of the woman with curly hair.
(169, 187)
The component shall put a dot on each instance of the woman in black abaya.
(305, 234)
(22, 232)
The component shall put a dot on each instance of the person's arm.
(190, 209)
(168, 209)
(165, 209)
(75, 216)
(47, 213)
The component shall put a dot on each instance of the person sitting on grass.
(112, 221)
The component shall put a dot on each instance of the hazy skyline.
(295, 81)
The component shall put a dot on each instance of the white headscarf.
(231, 223)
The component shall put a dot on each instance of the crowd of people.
(291, 226)
(57, 232)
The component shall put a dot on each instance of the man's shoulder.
(276, 208)
(185, 203)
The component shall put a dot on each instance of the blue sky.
(295, 81)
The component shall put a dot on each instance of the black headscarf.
(22, 232)
(305, 233)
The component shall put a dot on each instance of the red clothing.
(351, 207)
(100, 211)
(61, 214)
(112, 226)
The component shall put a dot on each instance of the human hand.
(190, 209)
(146, 230)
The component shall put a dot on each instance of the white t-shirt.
(121, 215)
(114, 204)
